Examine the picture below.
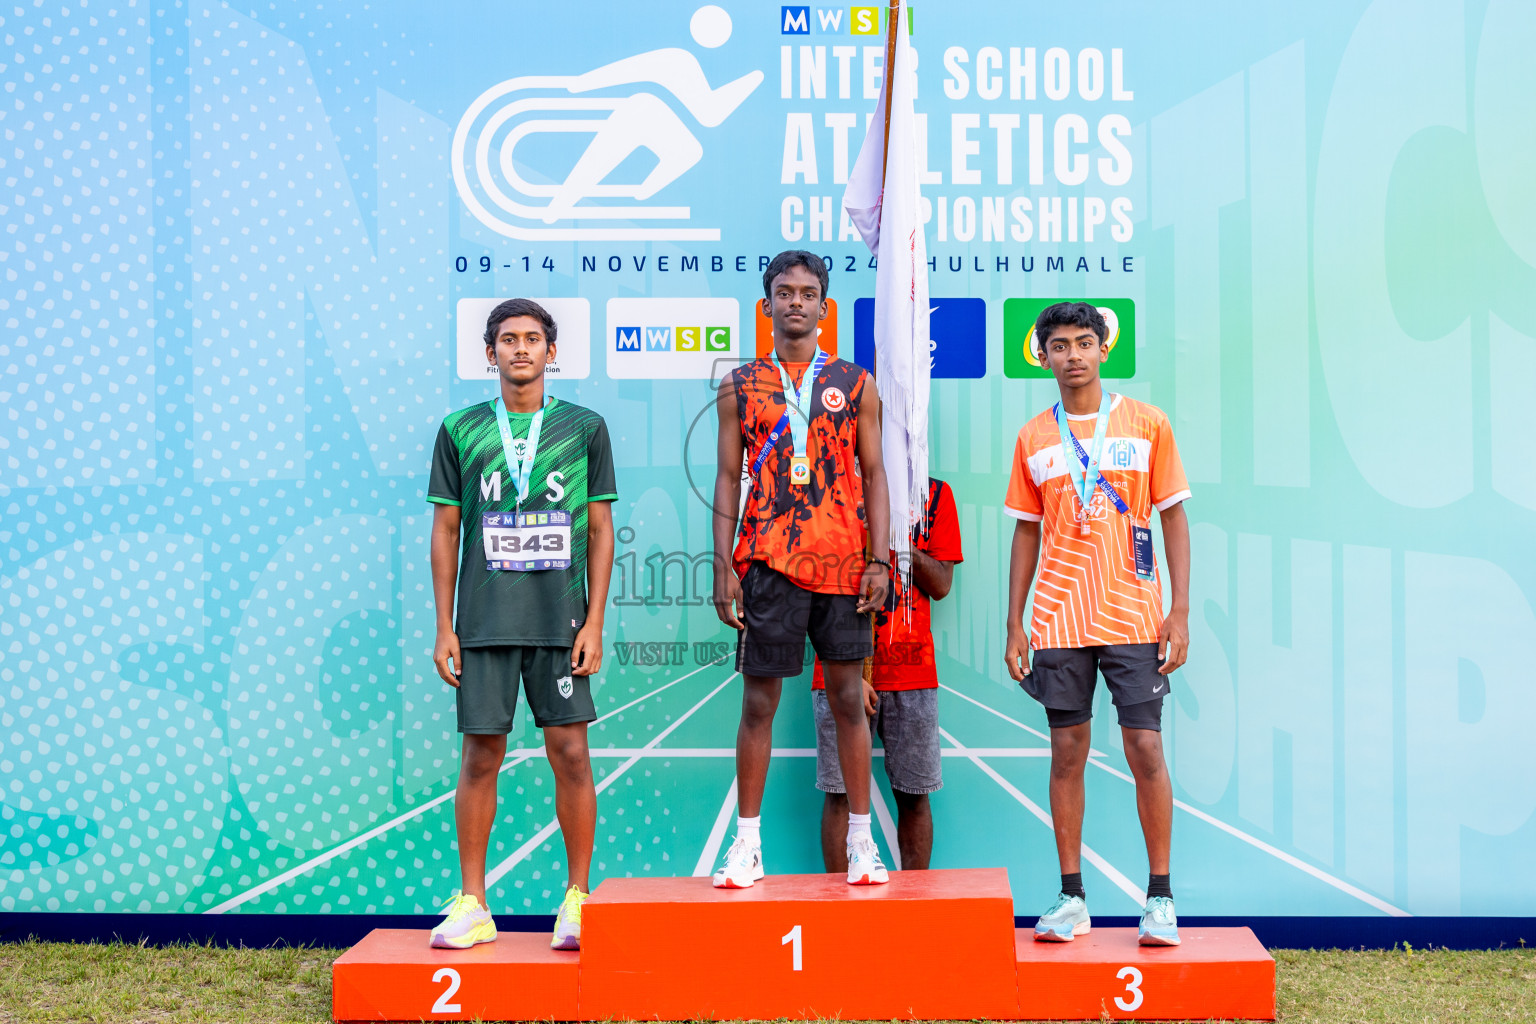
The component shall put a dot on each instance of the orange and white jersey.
(1087, 592)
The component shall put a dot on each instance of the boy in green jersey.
(528, 481)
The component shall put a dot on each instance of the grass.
(1405, 986)
(60, 981)
(56, 982)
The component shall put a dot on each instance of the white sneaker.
(743, 866)
(864, 864)
(467, 923)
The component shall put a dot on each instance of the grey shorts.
(1063, 678)
(907, 723)
(487, 692)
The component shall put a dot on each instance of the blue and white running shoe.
(1159, 924)
(1067, 919)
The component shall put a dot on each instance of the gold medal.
(799, 470)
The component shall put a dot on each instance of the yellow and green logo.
(1021, 356)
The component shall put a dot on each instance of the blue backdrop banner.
(249, 253)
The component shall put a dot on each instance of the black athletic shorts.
(487, 692)
(1062, 678)
(780, 615)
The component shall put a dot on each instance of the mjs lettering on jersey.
(490, 485)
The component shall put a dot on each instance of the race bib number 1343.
(526, 541)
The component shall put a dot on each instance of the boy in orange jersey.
(808, 427)
(1087, 474)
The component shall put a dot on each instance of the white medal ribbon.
(520, 469)
(801, 406)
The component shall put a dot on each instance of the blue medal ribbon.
(773, 439)
(1083, 471)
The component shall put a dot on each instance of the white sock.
(857, 823)
(747, 828)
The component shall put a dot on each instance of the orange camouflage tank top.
(814, 533)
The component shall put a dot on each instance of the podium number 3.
(792, 938)
(452, 977)
(1133, 994)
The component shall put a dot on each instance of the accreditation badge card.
(1141, 552)
(526, 541)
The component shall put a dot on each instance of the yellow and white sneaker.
(468, 922)
(568, 921)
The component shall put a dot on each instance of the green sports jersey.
(572, 466)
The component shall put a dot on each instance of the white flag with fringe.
(884, 203)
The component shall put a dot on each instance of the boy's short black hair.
(1068, 314)
(518, 307)
(794, 258)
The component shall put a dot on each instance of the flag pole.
(892, 13)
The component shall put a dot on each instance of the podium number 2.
(452, 977)
(792, 938)
(1133, 993)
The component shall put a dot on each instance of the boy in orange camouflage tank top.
(807, 426)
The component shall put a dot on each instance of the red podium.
(1215, 972)
(393, 974)
(930, 945)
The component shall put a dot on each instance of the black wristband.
(873, 561)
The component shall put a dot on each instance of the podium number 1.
(1133, 994)
(452, 977)
(792, 938)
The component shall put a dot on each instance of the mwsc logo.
(616, 106)
(672, 339)
(795, 20)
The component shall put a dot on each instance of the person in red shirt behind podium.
(903, 702)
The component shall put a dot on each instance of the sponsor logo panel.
(671, 338)
(826, 330)
(957, 336)
(1021, 357)
(573, 337)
